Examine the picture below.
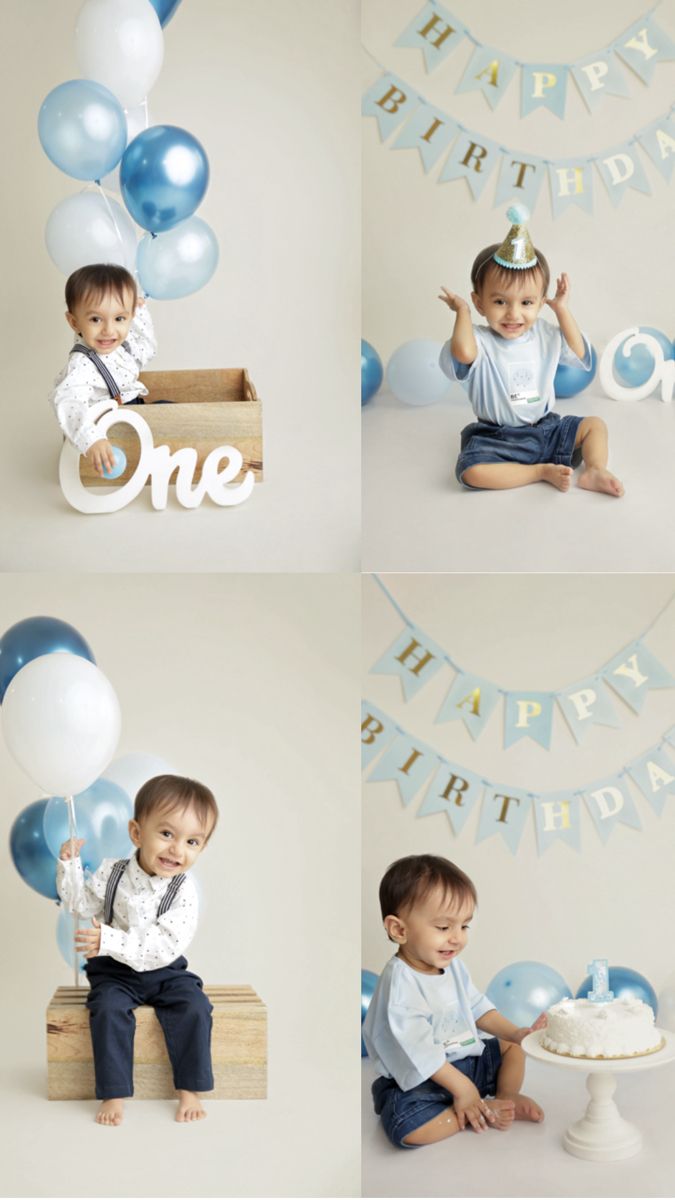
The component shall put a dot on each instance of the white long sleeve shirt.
(137, 936)
(80, 384)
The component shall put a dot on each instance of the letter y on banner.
(633, 672)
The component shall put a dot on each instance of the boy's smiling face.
(103, 321)
(510, 309)
(432, 932)
(169, 841)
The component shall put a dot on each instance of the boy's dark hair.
(99, 279)
(485, 264)
(166, 792)
(409, 881)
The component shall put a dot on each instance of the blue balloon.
(163, 177)
(372, 372)
(120, 464)
(570, 380)
(179, 262)
(30, 853)
(102, 815)
(368, 985)
(34, 637)
(165, 10)
(625, 983)
(637, 367)
(83, 129)
(525, 989)
(65, 938)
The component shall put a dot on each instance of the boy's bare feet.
(599, 479)
(559, 476)
(504, 1111)
(110, 1112)
(189, 1107)
(526, 1109)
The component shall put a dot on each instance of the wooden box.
(209, 408)
(238, 1048)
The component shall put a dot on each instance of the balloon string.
(110, 213)
(72, 830)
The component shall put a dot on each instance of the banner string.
(110, 212)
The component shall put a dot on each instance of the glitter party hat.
(516, 251)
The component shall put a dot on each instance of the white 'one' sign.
(663, 371)
(156, 463)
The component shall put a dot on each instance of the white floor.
(416, 517)
(529, 1160)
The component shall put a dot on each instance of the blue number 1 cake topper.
(600, 972)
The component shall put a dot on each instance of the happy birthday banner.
(415, 659)
(504, 810)
(437, 33)
(473, 157)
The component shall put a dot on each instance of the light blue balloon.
(65, 937)
(120, 464)
(372, 372)
(33, 637)
(102, 815)
(30, 853)
(178, 262)
(627, 984)
(525, 989)
(165, 10)
(569, 379)
(83, 129)
(163, 177)
(636, 368)
(368, 985)
(414, 374)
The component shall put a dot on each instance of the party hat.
(516, 251)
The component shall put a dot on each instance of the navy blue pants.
(183, 1011)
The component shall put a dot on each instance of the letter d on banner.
(610, 803)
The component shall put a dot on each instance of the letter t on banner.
(528, 714)
(413, 657)
(504, 811)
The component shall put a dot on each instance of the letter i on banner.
(430, 131)
(413, 657)
(471, 700)
(454, 791)
(633, 672)
(557, 817)
(528, 714)
(390, 100)
(504, 811)
(377, 730)
(654, 774)
(409, 762)
(435, 32)
(585, 704)
(610, 802)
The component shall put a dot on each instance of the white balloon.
(80, 231)
(666, 1005)
(120, 44)
(131, 771)
(414, 374)
(61, 721)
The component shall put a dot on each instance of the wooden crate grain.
(238, 1047)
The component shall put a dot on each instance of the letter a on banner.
(610, 802)
(413, 657)
(633, 672)
(504, 811)
(471, 700)
(654, 774)
(409, 762)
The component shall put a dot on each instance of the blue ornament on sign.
(625, 984)
(120, 464)
(164, 174)
(33, 638)
(372, 372)
(368, 985)
(636, 367)
(524, 990)
(570, 380)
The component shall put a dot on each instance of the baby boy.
(421, 1029)
(144, 913)
(509, 367)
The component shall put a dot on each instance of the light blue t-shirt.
(510, 381)
(415, 1023)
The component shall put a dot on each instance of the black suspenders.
(103, 371)
(113, 884)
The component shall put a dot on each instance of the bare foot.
(110, 1112)
(559, 476)
(599, 479)
(504, 1111)
(189, 1107)
(526, 1109)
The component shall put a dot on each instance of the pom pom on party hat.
(516, 251)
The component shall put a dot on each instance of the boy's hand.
(100, 455)
(455, 303)
(540, 1023)
(562, 293)
(64, 852)
(88, 941)
(469, 1107)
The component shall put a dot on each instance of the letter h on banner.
(435, 32)
(558, 819)
(413, 657)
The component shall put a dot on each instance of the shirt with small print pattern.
(80, 383)
(137, 936)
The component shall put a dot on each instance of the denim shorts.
(402, 1112)
(551, 440)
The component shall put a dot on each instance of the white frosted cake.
(588, 1029)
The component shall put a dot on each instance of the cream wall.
(544, 632)
(419, 235)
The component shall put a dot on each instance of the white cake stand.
(602, 1134)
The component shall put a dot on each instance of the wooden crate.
(238, 1047)
(209, 408)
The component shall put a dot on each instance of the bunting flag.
(587, 704)
(436, 32)
(414, 658)
(430, 131)
(633, 672)
(528, 714)
(471, 700)
(503, 809)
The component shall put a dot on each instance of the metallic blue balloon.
(569, 380)
(102, 815)
(179, 262)
(637, 367)
(525, 989)
(30, 853)
(83, 129)
(31, 639)
(164, 174)
(165, 10)
(65, 937)
(372, 372)
(625, 983)
(368, 985)
(120, 464)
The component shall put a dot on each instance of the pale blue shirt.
(510, 381)
(416, 1023)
